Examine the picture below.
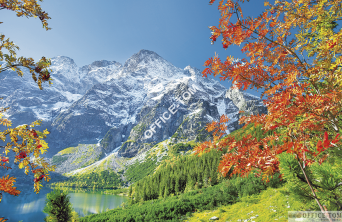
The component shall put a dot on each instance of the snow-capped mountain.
(120, 105)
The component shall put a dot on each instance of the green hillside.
(182, 206)
(182, 183)
(181, 186)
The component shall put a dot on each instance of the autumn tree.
(301, 108)
(24, 139)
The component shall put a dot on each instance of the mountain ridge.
(113, 105)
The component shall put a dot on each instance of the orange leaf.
(224, 119)
(206, 71)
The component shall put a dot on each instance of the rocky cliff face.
(124, 108)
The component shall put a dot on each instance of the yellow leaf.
(15, 150)
(21, 165)
(7, 123)
(46, 131)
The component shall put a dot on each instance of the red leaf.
(22, 155)
(37, 69)
(273, 127)
(4, 159)
(46, 77)
(336, 140)
(319, 146)
(326, 140)
(332, 45)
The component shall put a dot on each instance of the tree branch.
(313, 192)
(8, 67)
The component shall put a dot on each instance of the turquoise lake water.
(28, 206)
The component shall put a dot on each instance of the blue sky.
(111, 30)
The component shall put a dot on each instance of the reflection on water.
(93, 203)
(29, 206)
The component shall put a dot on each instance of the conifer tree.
(172, 184)
(136, 197)
(58, 206)
(144, 196)
(130, 191)
(177, 187)
(206, 177)
(166, 191)
(200, 177)
(213, 175)
(161, 192)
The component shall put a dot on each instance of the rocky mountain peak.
(65, 73)
(104, 63)
(146, 53)
(151, 65)
(142, 59)
(236, 96)
(194, 72)
(143, 56)
(62, 60)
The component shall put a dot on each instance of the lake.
(28, 206)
